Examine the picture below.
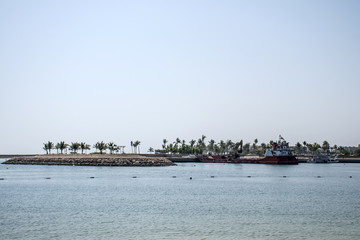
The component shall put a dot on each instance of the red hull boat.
(279, 154)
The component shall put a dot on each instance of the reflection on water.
(222, 201)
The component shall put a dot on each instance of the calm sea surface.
(313, 201)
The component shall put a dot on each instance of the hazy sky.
(147, 70)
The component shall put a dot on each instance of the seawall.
(91, 160)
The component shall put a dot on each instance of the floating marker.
(350, 176)
(284, 176)
(212, 176)
(190, 178)
(92, 177)
(174, 176)
(134, 177)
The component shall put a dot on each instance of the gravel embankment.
(91, 160)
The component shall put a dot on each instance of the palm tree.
(57, 146)
(203, 138)
(298, 147)
(229, 146)
(254, 145)
(84, 146)
(112, 147)
(75, 146)
(335, 147)
(313, 147)
(305, 146)
(217, 149)
(211, 146)
(263, 147)
(222, 146)
(325, 146)
(237, 148)
(151, 150)
(62, 146)
(132, 144)
(241, 146)
(48, 146)
(177, 142)
(101, 146)
(246, 147)
(137, 145)
(183, 146)
(192, 142)
(164, 143)
(201, 144)
(168, 148)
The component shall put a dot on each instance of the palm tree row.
(228, 146)
(314, 148)
(199, 146)
(75, 146)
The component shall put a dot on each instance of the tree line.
(199, 146)
(306, 148)
(74, 147)
(224, 147)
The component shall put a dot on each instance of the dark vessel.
(214, 158)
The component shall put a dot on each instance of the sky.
(121, 71)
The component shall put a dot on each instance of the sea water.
(187, 201)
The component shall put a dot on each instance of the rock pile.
(91, 160)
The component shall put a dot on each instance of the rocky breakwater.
(91, 160)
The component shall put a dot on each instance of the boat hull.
(276, 160)
(214, 159)
(282, 160)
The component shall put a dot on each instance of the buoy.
(284, 176)
(249, 176)
(350, 176)
(47, 178)
(212, 176)
(174, 176)
(190, 178)
(318, 176)
(92, 177)
(134, 176)
(2, 178)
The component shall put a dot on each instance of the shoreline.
(118, 159)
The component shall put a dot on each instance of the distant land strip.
(118, 159)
